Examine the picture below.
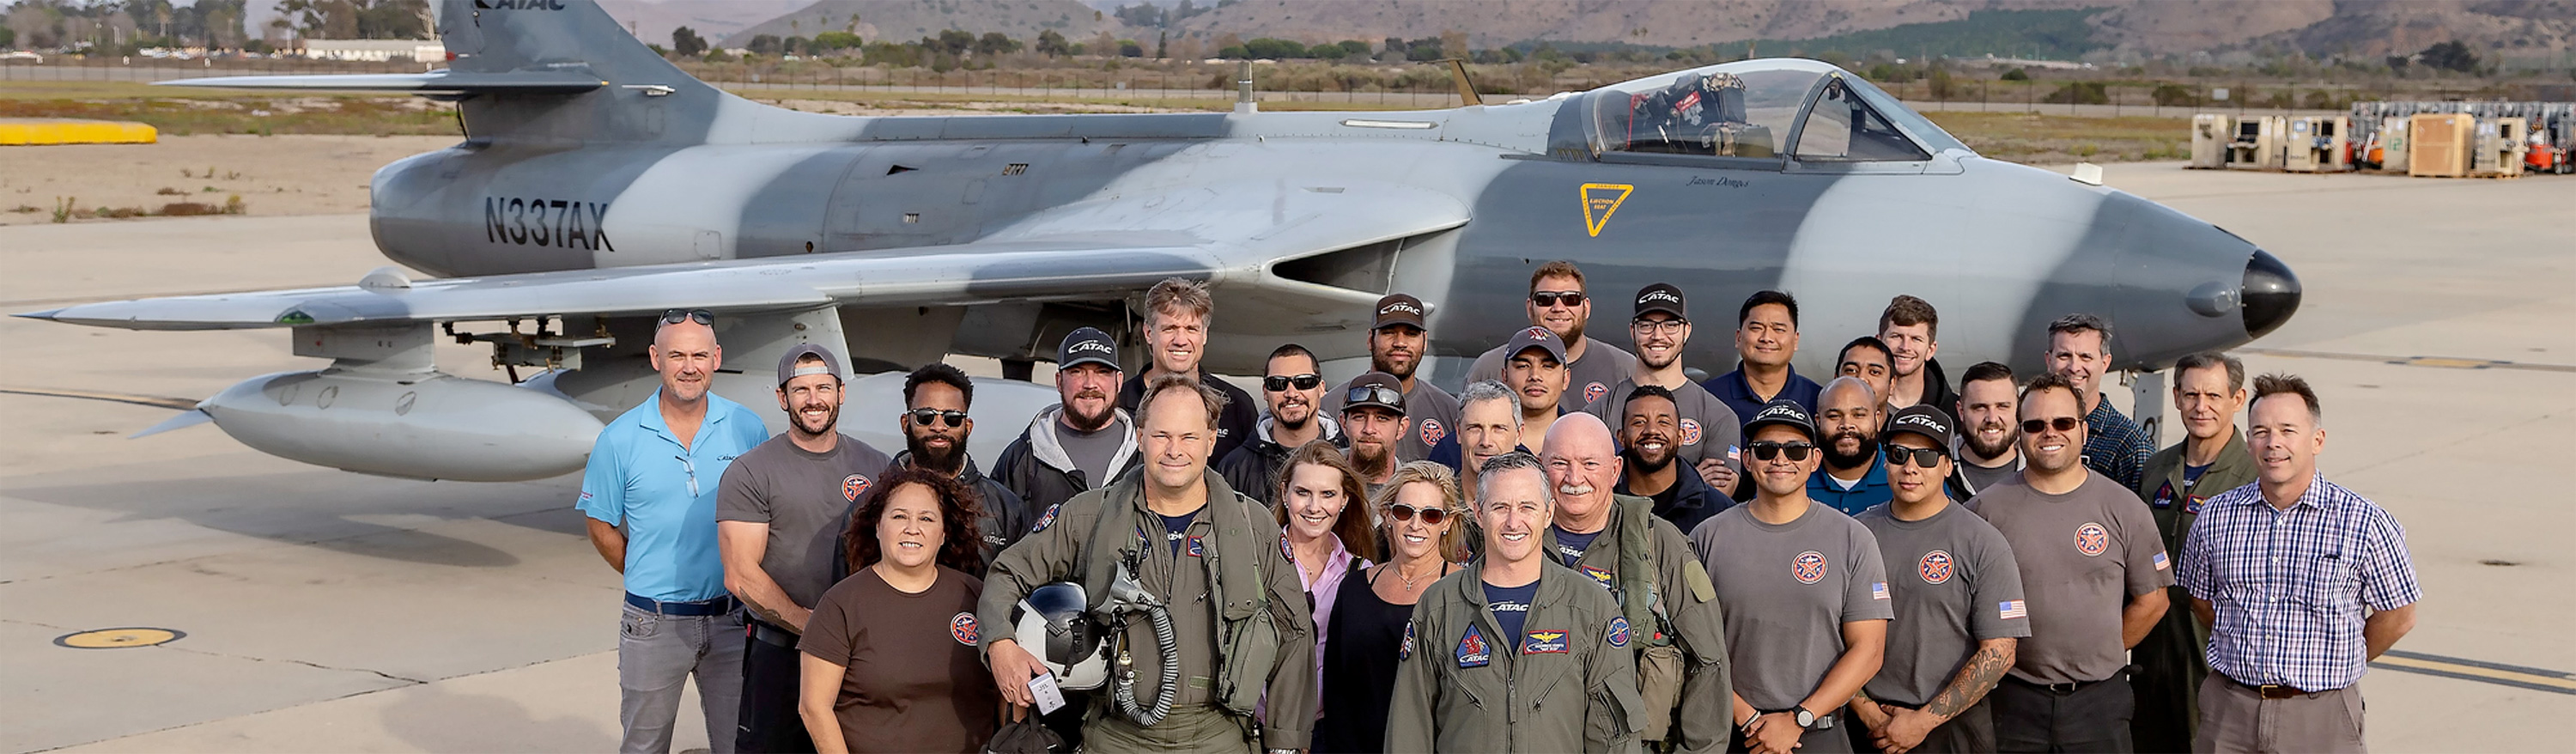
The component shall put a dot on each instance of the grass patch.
(2037, 138)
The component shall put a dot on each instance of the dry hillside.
(907, 20)
(653, 20)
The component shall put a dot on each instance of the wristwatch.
(1805, 718)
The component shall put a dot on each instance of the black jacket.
(1937, 392)
(1253, 469)
(1006, 518)
(1036, 468)
(1693, 500)
(1237, 423)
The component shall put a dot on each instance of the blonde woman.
(1421, 509)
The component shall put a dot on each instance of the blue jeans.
(656, 654)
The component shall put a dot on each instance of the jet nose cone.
(2271, 294)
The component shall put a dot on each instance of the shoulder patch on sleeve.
(1048, 519)
(1404, 651)
(1696, 576)
(1617, 635)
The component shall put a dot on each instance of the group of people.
(1585, 550)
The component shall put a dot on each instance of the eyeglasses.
(1665, 326)
(1403, 512)
(1549, 298)
(1923, 457)
(1378, 394)
(2036, 426)
(1766, 450)
(1278, 383)
(922, 416)
(676, 316)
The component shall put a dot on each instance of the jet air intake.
(2270, 294)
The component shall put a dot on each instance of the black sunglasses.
(1923, 457)
(1279, 382)
(1378, 394)
(1766, 450)
(1403, 512)
(676, 316)
(2036, 426)
(1549, 298)
(922, 416)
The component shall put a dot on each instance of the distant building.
(375, 50)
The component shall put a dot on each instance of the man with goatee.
(1293, 386)
(1852, 477)
(935, 428)
(1398, 341)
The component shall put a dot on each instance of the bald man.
(1616, 541)
(650, 494)
(1852, 477)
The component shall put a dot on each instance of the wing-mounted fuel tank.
(382, 408)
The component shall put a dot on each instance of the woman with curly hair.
(890, 657)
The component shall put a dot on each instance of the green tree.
(2016, 75)
(836, 40)
(2450, 56)
(995, 43)
(765, 44)
(8, 37)
(2175, 95)
(687, 43)
(1274, 49)
(1052, 44)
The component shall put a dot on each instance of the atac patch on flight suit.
(1544, 643)
(1197, 547)
(1049, 518)
(1404, 651)
(1617, 636)
(1473, 651)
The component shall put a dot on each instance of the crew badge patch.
(1404, 651)
(1197, 548)
(1690, 432)
(1592, 391)
(1044, 520)
(1936, 567)
(1617, 636)
(1432, 432)
(962, 628)
(1599, 574)
(1809, 567)
(1473, 652)
(853, 486)
(1544, 643)
(2091, 539)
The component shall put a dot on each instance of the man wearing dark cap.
(1293, 385)
(1958, 599)
(1398, 341)
(1373, 419)
(1535, 370)
(1559, 304)
(1706, 435)
(1805, 592)
(780, 510)
(1083, 442)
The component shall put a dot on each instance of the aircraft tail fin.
(640, 96)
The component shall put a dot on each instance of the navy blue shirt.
(1511, 605)
(1570, 546)
(1871, 490)
(1175, 526)
(1738, 394)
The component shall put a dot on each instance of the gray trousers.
(656, 654)
(2234, 718)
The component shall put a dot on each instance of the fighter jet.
(598, 186)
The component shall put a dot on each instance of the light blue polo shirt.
(664, 495)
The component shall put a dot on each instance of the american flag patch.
(2161, 562)
(1878, 590)
(2011, 609)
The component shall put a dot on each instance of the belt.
(2059, 688)
(764, 633)
(2273, 690)
(700, 608)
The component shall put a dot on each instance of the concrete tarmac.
(329, 611)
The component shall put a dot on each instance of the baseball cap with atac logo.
(1087, 345)
(1786, 413)
(1399, 309)
(1927, 421)
(1661, 297)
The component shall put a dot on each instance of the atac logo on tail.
(518, 5)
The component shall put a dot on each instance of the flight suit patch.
(1598, 574)
(1473, 652)
(1404, 651)
(1617, 636)
(1544, 643)
(1044, 520)
(1197, 547)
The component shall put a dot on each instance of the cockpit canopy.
(1762, 109)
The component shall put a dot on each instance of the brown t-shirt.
(913, 683)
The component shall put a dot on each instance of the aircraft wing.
(442, 81)
(1057, 255)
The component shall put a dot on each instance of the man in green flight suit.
(2209, 388)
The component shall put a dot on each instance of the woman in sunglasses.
(1367, 627)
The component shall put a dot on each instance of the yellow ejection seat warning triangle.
(1599, 200)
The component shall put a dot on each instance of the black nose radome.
(2271, 294)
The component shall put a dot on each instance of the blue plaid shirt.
(2289, 585)
(2114, 446)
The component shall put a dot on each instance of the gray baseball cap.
(787, 369)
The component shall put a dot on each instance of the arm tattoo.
(1972, 682)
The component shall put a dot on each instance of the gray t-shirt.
(1709, 429)
(1788, 589)
(2082, 555)
(805, 498)
(1433, 412)
(1091, 451)
(1982, 478)
(1955, 585)
(1587, 379)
